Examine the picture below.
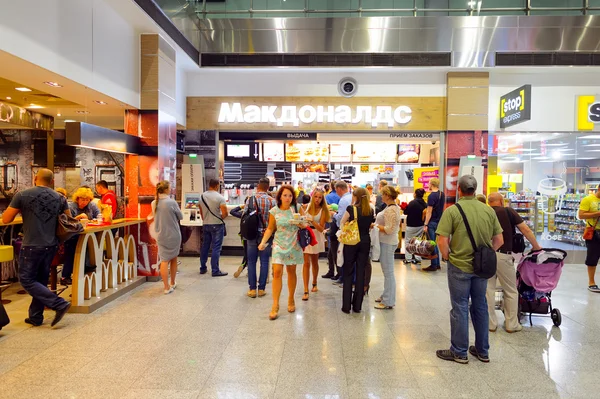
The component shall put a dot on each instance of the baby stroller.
(537, 275)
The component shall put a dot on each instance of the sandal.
(314, 288)
(274, 312)
(594, 288)
(291, 307)
(305, 296)
(382, 306)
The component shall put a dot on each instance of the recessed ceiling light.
(22, 89)
(58, 114)
(53, 84)
(9, 98)
(100, 102)
(69, 120)
(34, 106)
(82, 112)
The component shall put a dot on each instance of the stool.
(6, 255)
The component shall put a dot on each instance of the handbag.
(588, 233)
(218, 217)
(67, 227)
(484, 257)
(350, 234)
(518, 241)
(306, 237)
(421, 246)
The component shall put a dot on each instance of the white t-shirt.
(214, 200)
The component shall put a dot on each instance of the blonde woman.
(388, 223)
(286, 249)
(82, 208)
(357, 256)
(168, 234)
(318, 214)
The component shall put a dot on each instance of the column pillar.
(467, 123)
(155, 124)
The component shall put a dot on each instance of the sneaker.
(60, 314)
(473, 351)
(338, 282)
(219, 274)
(327, 275)
(430, 269)
(203, 271)
(33, 323)
(594, 288)
(238, 271)
(519, 328)
(447, 354)
(262, 293)
(251, 293)
(336, 277)
(167, 292)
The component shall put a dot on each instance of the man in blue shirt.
(332, 197)
(342, 191)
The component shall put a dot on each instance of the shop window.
(544, 176)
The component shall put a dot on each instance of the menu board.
(379, 152)
(273, 152)
(300, 152)
(312, 168)
(409, 153)
(340, 153)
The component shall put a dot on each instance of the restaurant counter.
(116, 265)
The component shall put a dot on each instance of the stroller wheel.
(556, 317)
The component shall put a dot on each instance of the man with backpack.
(253, 224)
(506, 273)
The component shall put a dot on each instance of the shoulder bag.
(484, 257)
(588, 233)
(518, 241)
(67, 227)
(218, 217)
(350, 234)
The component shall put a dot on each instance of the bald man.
(506, 273)
(40, 207)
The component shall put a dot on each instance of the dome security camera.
(347, 87)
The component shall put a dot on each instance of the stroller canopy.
(541, 270)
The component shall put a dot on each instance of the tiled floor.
(208, 340)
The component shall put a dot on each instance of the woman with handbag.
(168, 234)
(317, 215)
(414, 222)
(356, 223)
(388, 223)
(286, 249)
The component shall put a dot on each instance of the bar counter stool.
(6, 255)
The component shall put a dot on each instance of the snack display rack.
(526, 207)
(567, 224)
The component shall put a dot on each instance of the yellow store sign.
(588, 112)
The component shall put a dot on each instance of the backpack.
(250, 221)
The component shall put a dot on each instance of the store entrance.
(544, 176)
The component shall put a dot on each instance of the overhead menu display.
(340, 153)
(380, 152)
(298, 152)
(273, 152)
(409, 153)
(241, 151)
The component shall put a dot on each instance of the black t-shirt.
(40, 207)
(508, 228)
(364, 222)
(414, 212)
(436, 201)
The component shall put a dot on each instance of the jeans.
(355, 257)
(432, 227)
(34, 273)
(212, 234)
(386, 258)
(253, 255)
(462, 286)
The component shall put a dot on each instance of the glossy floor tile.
(209, 340)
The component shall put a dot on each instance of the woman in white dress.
(317, 214)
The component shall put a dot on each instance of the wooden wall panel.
(467, 122)
(428, 113)
(468, 100)
(158, 74)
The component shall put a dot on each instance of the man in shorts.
(590, 212)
